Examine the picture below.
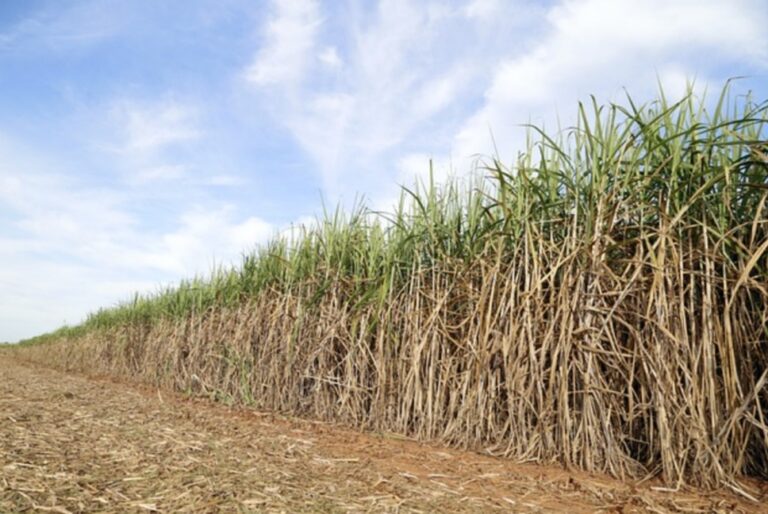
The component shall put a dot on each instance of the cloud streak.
(290, 35)
(147, 129)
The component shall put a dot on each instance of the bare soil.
(72, 444)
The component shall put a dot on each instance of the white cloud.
(434, 95)
(607, 27)
(224, 180)
(208, 235)
(55, 210)
(160, 173)
(146, 140)
(601, 46)
(148, 127)
(69, 248)
(50, 271)
(98, 226)
(330, 57)
(49, 278)
(40, 294)
(289, 40)
(393, 87)
(483, 8)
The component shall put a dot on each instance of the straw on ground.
(69, 444)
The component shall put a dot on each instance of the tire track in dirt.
(72, 444)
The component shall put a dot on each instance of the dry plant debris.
(71, 444)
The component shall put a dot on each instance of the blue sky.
(143, 141)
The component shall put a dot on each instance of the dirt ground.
(73, 444)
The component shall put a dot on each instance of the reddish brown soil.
(73, 444)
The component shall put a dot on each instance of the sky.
(143, 142)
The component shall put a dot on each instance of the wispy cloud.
(74, 25)
(145, 139)
(601, 46)
(329, 56)
(146, 128)
(484, 9)
(289, 39)
(161, 173)
(399, 85)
